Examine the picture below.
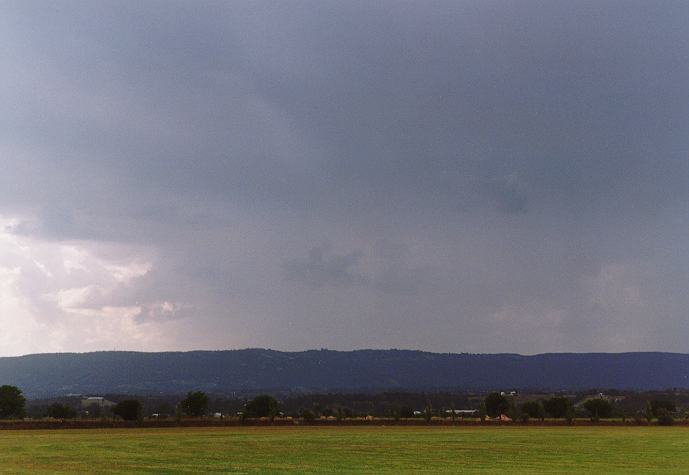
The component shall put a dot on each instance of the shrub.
(649, 412)
(660, 405)
(598, 407)
(514, 413)
(532, 409)
(396, 415)
(665, 417)
(61, 411)
(482, 411)
(195, 404)
(556, 406)
(308, 416)
(428, 412)
(569, 415)
(262, 406)
(129, 409)
(496, 404)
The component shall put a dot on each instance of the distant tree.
(569, 415)
(308, 416)
(61, 411)
(649, 412)
(195, 404)
(12, 402)
(532, 409)
(482, 411)
(514, 412)
(556, 407)
(661, 404)
(598, 407)
(129, 409)
(496, 404)
(428, 412)
(262, 406)
(665, 417)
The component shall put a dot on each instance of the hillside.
(250, 370)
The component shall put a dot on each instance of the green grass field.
(349, 449)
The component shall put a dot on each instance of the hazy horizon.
(450, 176)
(346, 351)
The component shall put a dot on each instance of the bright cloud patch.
(55, 296)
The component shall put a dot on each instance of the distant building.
(93, 402)
(463, 412)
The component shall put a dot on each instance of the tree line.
(559, 407)
(196, 404)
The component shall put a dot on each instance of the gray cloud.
(321, 268)
(491, 176)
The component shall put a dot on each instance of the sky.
(451, 176)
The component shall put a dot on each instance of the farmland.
(348, 449)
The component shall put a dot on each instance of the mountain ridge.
(255, 369)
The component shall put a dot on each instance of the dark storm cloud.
(524, 165)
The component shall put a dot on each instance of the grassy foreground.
(349, 449)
